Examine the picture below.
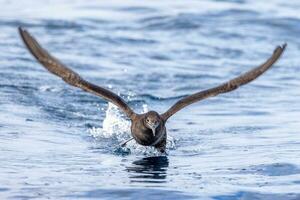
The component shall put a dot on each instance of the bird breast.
(144, 135)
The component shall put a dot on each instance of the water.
(58, 142)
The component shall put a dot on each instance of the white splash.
(116, 126)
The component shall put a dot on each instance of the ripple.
(4, 189)
(275, 169)
(133, 194)
(56, 25)
(179, 22)
(257, 196)
(138, 9)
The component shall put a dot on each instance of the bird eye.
(147, 120)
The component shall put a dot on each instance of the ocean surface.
(58, 142)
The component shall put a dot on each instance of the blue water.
(57, 142)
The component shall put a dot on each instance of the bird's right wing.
(54, 66)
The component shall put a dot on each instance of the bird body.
(146, 135)
(147, 129)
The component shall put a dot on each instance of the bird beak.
(153, 130)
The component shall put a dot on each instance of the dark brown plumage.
(147, 129)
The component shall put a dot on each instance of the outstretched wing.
(54, 66)
(226, 87)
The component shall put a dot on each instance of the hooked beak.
(153, 130)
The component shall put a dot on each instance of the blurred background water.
(57, 142)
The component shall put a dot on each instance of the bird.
(147, 129)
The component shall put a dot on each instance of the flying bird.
(148, 129)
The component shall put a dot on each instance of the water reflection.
(149, 170)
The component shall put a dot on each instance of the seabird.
(147, 129)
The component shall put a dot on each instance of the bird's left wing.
(226, 87)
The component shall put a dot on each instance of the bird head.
(152, 120)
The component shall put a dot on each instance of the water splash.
(114, 125)
(117, 127)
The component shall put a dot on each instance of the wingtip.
(280, 48)
(21, 29)
(284, 46)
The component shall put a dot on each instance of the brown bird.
(147, 129)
